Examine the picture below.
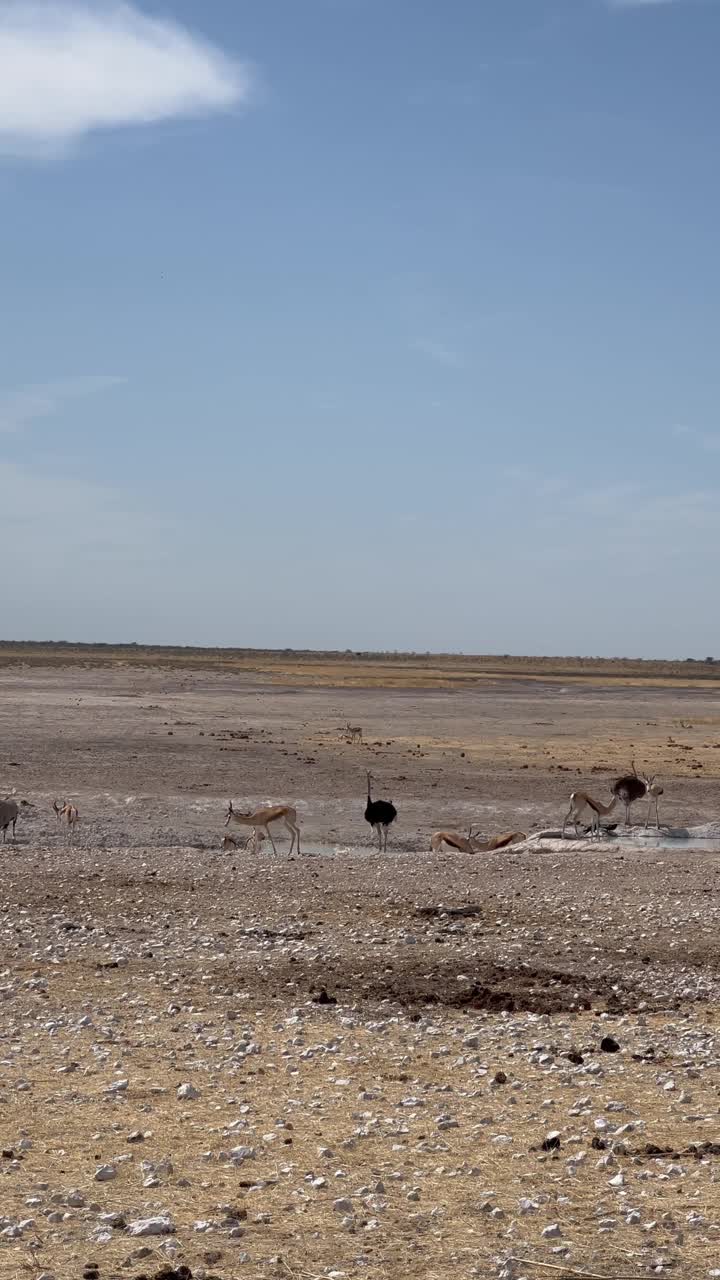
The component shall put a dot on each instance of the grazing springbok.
(66, 812)
(633, 786)
(583, 807)
(263, 817)
(8, 816)
(353, 733)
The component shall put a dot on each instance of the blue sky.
(361, 323)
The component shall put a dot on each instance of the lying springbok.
(8, 816)
(252, 844)
(263, 817)
(353, 733)
(584, 808)
(502, 842)
(470, 844)
(66, 812)
(463, 844)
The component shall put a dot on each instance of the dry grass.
(373, 670)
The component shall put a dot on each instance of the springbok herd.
(584, 811)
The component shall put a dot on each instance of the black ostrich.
(379, 813)
(635, 786)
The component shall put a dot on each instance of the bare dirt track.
(397, 1128)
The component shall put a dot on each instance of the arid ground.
(375, 1049)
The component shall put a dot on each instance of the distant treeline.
(33, 650)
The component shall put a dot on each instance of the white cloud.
(637, 4)
(439, 353)
(68, 67)
(707, 440)
(18, 409)
(53, 520)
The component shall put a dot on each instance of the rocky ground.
(219, 1065)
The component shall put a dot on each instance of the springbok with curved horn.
(582, 808)
(463, 844)
(263, 817)
(634, 786)
(471, 844)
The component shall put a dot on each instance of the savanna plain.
(231, 1063)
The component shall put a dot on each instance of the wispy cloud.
(51, 519)
(638, 4)
(439, 353)
(19, 409)
(69, 66)
(707, 440)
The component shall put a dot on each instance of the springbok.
(252, 844)
(583, 806)
(470, 843)
(353, 733)
(633, 786)
(8, 816)
(463, 844)
(263, 817)
(66, 812)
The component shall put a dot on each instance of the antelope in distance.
(353, 733)
(635, 786)
(582, 808)
(263, 818)
(66, 812)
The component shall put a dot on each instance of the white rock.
(112, 1219)
(152, 1227)
(105, 1173)
(242, 1153)
(187, 1092)
(552, 1232)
